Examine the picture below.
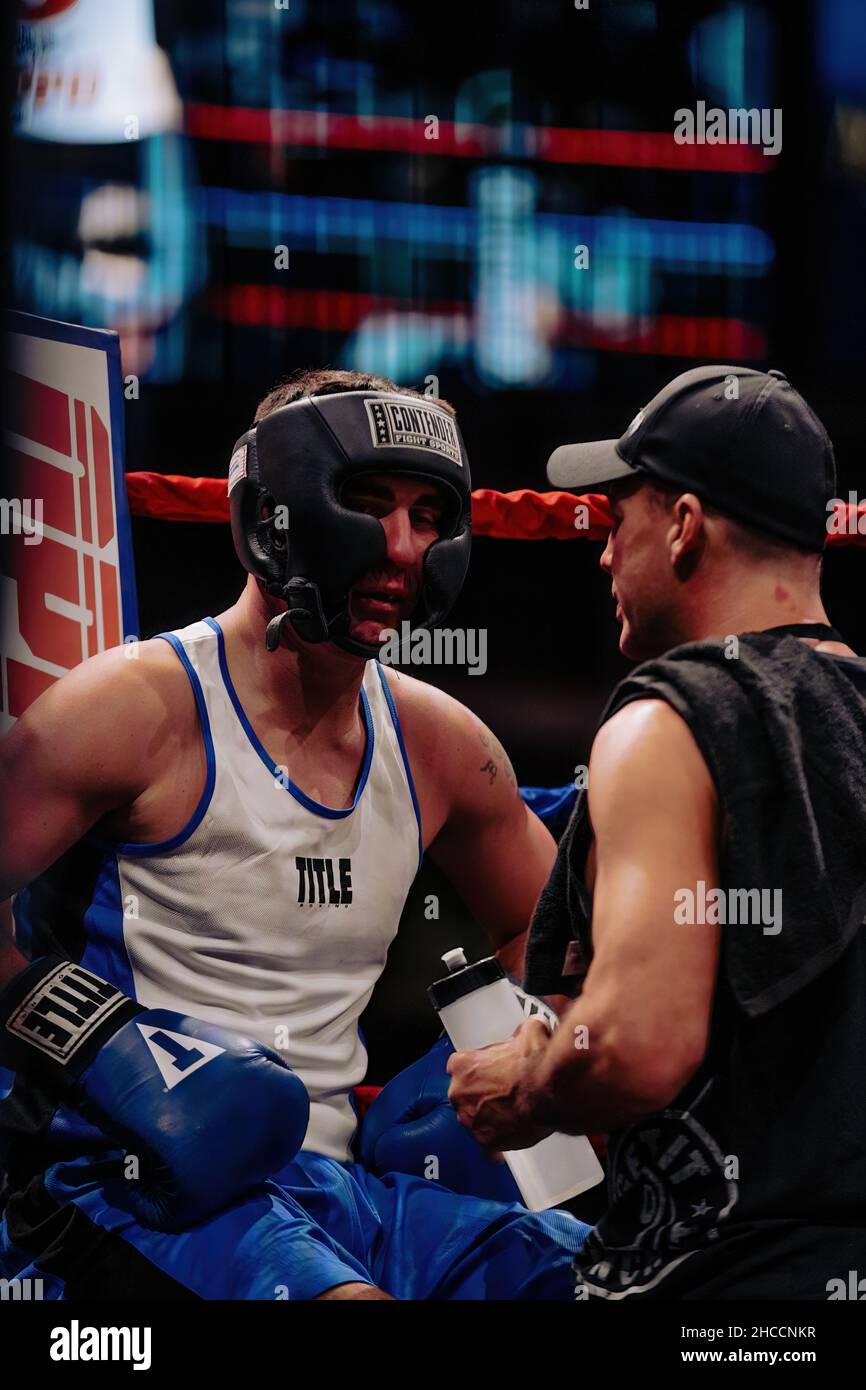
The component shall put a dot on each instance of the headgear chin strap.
(291, 529)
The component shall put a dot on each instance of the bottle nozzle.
(455, 959)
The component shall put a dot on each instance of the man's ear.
(687, 533)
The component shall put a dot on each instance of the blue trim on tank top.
(395, 720)
(141, 851)
(317, 807)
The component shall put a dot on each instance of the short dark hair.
(748, 540)
(327, 381)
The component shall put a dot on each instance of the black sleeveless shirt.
(752, 1183)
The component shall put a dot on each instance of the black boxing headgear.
(291, 529)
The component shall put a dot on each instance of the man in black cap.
(708, 900)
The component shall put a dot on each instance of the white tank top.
(268, 913)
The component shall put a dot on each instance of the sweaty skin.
(61, 775)
(639, 1029)
(116, 745)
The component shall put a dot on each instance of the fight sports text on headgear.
(300, 458)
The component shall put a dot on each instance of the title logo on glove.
(64, 1010)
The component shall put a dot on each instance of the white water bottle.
(478, 1005)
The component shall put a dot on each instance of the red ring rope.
(523, 515)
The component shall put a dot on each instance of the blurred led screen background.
(483, 200)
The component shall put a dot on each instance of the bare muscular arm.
(639, 1030)
(86, 747)
(494, 850)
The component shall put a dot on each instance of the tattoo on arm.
(497, 756)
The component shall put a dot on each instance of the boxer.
(215, 835)
(708, 899)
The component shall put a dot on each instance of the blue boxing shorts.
(316, 1224)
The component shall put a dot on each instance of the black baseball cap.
(744, 441)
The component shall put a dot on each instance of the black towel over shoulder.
(753, 1183)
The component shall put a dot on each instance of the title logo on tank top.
(324, 882)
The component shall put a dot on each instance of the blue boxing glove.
(412, 1127)
(208, 1114)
